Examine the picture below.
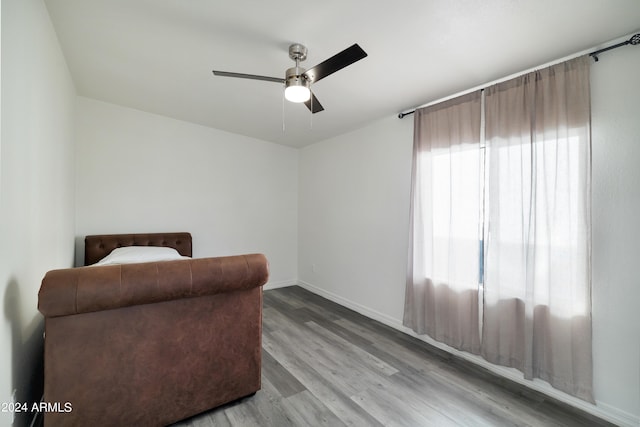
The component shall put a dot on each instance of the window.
(501, 208)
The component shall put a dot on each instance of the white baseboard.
(365, 311)
(601, 410)
(282, 284)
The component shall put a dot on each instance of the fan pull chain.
(311, 113)
(283, 129)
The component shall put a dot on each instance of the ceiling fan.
(297, 80)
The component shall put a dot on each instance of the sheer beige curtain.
(537, 300)
(441, 296)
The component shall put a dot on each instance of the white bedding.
(137, 254)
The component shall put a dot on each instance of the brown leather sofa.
(150, 344)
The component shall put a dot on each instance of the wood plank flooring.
(325, 365)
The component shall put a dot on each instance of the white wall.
(353, 225)
(354, 215)
(615, 91)
(36, 188)
(140, 172)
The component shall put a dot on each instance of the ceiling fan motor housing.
(297, 74)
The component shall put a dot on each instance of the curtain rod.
(634, 40)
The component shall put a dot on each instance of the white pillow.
(137, 254)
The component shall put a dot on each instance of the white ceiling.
(157, 55)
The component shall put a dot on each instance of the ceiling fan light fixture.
(297, 94)
(296, 86)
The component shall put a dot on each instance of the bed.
(153, 342)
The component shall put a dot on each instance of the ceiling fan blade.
(335, 63)
(313, 104)
(248, 76)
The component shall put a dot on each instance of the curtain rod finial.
(404, 114)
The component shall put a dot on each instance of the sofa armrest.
(95, 288)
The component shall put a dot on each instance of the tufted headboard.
(99, 246)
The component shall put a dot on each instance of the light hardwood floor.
(325, 365)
